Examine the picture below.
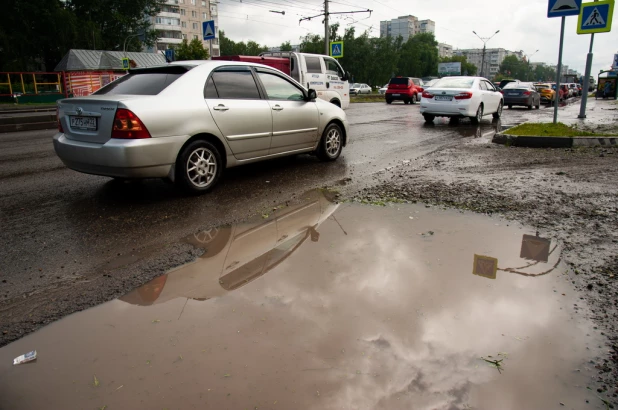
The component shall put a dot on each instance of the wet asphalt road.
(62, 232)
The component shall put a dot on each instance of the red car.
(404, 89)
(563, 94)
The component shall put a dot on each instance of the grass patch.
(532, 129)
(365, 98)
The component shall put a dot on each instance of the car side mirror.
(311, 95)
(346, 76)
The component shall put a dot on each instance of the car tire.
(406, 102)
(413, 99)
(198, 167)
(429, 118)
(510, 107)
(530, 106)
(479, 115)
(389, 101)
(336, 102)
(498, 113)
(331, 143)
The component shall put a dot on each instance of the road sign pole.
(586, 89)
(559, 74)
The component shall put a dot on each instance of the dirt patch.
(571, 194)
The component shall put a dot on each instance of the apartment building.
(182, 19)
(445, 50)
(406, 27)
(493, 58)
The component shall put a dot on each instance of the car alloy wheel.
(331, 144)
(479, 115)
(498, 113)
(414, 99)
(201, 167)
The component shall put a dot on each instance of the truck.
(319, 72)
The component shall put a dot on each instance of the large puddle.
(325, 306)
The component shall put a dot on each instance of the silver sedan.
(189, 120)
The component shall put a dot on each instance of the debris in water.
(428, 233)
(156, 321)
(497, 363)
(25, 358)
(95, 381)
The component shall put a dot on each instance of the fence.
(29, 83)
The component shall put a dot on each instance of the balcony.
(167, 27)
(169, 14)
(167, 40)
(172, 2)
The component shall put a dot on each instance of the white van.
(322, 73)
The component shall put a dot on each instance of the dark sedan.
(521, 94)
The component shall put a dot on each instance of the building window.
(195, 37)
(193, 2)
(203, 3)
(184, 36)
(182, 12)
(193, 13)
(204, 17)
(194, 26)
(182, 1)
(184, 24)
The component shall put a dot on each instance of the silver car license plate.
(443, 98)
(513, 94)
(396, 95)
(84, 123)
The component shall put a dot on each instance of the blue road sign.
(562, 8)
(170, 55)
(336, 49)
(208, 28)
(596, 17)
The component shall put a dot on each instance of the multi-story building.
(445, 50)
(406, 27)
(182, 19)
(493, 58)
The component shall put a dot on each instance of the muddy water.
(320, 306)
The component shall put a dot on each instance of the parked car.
(357, 88)
(383, 89)
(521, 94)
(403, 89)
(189, 120)
(460, 97)
(548, 95)
(580, 88)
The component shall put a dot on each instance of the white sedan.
(460, 97)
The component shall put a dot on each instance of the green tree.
(419, 56)
(40, 32)
(231, 48)
(513, 67)
(191, 51)
(287, 46)
(466, 67)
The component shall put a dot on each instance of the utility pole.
(326, 30)
(484, 40)
(326, 15)
(586, 89)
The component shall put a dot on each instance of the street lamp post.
(124, 47)
(484, 40)
(529, 57)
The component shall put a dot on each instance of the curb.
(554, 142)
(31, 126)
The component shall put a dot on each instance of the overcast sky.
(523, 25)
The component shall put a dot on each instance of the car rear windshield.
(454, 83)
(146, 81)
(399, 80)
(522, 86)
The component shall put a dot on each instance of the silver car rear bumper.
(139, 158)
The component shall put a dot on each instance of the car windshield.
(356, 85)
(454, 83)
(150, 81)
(399, 80)
(542, 87)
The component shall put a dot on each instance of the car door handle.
(277, 108)
(220, 107)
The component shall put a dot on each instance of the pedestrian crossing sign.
(125, 64)
(336, 49)
(596, 17)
